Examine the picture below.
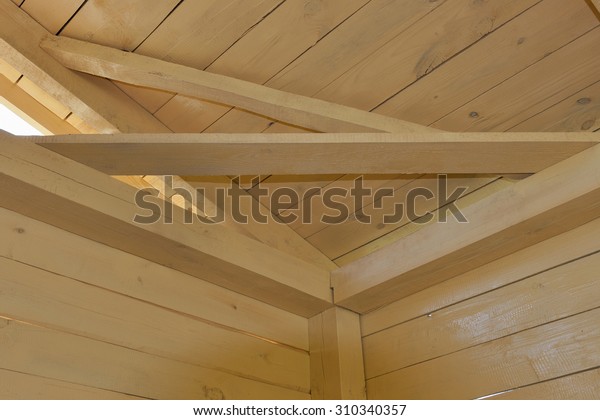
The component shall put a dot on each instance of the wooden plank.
(223, 154)
(537, 300)
(95, 100)
(103, 209)
(539, 354)
(9, 72)
(99, 106)
(31, 110)
(287, 32)
(338, 239)
(273, 233)
(419, 50)
(578, 112)
(579, 386)
(49, 248)
(295, 109)
(467, 199)
(51, 15)
(48, 353)
(356, 38)
(595, 6)
(41, 298)
(22, 386)
(526, 39)
(551, 202)
(336, 361)
(43, 98)
(118, 24)
(522, 264)
(518, 99)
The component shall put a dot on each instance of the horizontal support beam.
(295, 109)
(381, 153)
(556, 200)
(48, 187)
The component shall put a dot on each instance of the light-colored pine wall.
(524, 326)
(79, 319)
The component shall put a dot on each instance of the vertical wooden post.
(336, 357)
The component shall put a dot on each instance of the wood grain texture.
(578, 112)
(49, 248)
(419, 50)
(336, 361)
(222, 154)
(22, 386)
(527, 39)
(113, 225)
(35, 296)
(520, 265)
(528, 357)
(291, 108)
(494, 229)
(496, 107)
(101, 104)
(51, 15)
(70, 358)
(118, 24)
(9, 72)
(537, 300)
(31, 110)
(579, 386)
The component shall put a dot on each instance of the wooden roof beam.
(248, 154)
(295, 109)
(104, 108)
(99, 102)
(558, 199)
(45, 186)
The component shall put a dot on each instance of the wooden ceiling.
(456, 65)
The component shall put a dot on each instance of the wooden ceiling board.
(528, 38)
(536, 88)
(52, 15)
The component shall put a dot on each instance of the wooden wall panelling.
(37, 244)
(60, 303)
(543, 298)
(22, 386)
(578, 386)
(518, 266)
(546, 352)
(35, 350)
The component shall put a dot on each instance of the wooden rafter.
(295, 109)
(45, 186)
(247, 154)
(546, 204)
(104, 108)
